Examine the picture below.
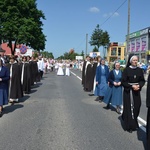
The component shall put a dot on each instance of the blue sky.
(68, 21)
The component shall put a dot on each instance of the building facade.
(116, 51)
(139, 44)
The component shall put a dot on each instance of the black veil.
(128, 62)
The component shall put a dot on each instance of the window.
(119, 51)
(113, 51)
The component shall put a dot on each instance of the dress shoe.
(130, 130)
(107, 107)
(1, 114)
(100, 101)
(118, 110)
(11, 102)
(91, 94)
(97, 99)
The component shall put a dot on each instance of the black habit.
(148, 112)
(15, 87)
(131, 76)
(89, 78)
(26, 77)
(83, 73)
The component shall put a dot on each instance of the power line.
(113, 12)
(80, 43)
(105, 20)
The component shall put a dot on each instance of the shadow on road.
(11, 108)
(24, 98)
(36, 85)
(141, 135)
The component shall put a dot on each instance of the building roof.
(4, 46)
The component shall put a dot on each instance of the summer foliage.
(21, 23)
(99, 38)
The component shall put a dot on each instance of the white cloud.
(111, 14)
(94, 10)
(116, 14)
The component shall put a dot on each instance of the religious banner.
(94, 54)
(27, 53)
(137, 45)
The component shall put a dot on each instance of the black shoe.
(11, 102)
(107, 107)
(100, 101)
(130, 130)
(91, 94)
(118, 110)
(1, 114)
(97, 99)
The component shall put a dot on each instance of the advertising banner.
(79, 57)
(144, 43)
(137, 45)
(129, 47)
(132, 45)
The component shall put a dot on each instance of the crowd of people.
(118, 88)
(17, 76)
(114, 87)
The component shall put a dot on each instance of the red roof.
(7, 49)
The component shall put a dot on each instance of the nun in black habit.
(89, 77)
(83, 71)
(25, 75)
(132, 81)
(15, 87)
(148, 112)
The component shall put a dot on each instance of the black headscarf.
(128, 62)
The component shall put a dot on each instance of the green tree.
(95, 49)
(82, 53)
(47, 54)
(73, 56)
(105, 41)
(66, 55)
(21, 23)
(96, 38)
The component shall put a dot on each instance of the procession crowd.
(118, 88)
(112, 86)
(19, 74)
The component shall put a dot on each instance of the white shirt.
(117, 71)
(41, 65)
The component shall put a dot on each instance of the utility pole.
(128, 31)
(86, 45)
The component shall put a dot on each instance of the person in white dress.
(67, 72)
(56, 66)
(60, 69)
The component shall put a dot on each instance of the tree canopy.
(99, 38)
(21, 23)
(71, 55)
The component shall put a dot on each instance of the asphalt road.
(59, 115)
